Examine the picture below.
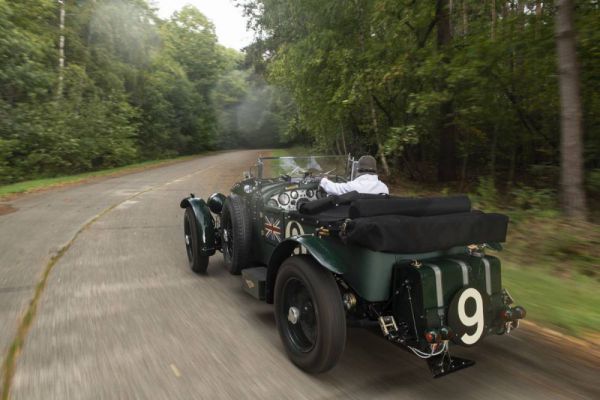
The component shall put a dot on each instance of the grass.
(46, 183)
(569, 304)
(552, 267)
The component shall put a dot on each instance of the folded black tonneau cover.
(407, 234)
(411, 206)
(407, 225)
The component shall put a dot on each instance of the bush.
(593, 181)
(486, 194)
(6, 148)
(528, 198)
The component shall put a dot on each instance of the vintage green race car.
(412, 269)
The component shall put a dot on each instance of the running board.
(254, 282)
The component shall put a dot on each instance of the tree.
(572, 167)
(447, 165)
(128, 86)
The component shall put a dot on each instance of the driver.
(366, 180)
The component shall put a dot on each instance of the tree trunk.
(447, 163)
(61, 51)
(572, 167)
(493, 35)
(463, 171)
(380, 150)
(512, 163)
(493, 153)
(538, 18)
(465, 18)
(344, 139)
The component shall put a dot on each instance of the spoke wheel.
(310, 315)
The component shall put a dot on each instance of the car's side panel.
(367, 272)
(311, 245)
(205, 223)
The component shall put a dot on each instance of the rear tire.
(310, 314)
(235, 234)
(198, 263)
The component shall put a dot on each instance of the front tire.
(198, 262)
(310, 315)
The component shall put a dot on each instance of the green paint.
(567, 303)
(205, 222)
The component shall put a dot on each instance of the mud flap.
(445, 364)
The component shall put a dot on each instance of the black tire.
(198, 263)
(316, 340)
(235, 234)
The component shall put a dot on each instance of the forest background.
(496, 98)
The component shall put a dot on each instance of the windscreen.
(301, 167)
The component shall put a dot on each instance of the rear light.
(446, 333)
(438, 335)
(519, 312)
(513, 314)
(432, 337)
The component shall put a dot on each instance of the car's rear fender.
(205, 224)
(310, 244)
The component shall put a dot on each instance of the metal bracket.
(388, 326)
(444, 364)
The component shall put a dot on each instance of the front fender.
(204, 222)
(315, 246)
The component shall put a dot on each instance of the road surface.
(122, 317)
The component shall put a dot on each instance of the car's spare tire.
(198, 262)
(310, 314)
(235, 234)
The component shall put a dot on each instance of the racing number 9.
(475, 319)
(467, 318)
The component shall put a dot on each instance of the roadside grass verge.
(569, 304)
(47, 183)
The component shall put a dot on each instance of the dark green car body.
(421, 291)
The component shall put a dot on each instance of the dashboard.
(289, 200)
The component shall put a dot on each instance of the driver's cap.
(367, 165)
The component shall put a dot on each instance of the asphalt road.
(122, 316)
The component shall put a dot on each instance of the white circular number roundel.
(469, 320)
(293, 228)
(467, 314)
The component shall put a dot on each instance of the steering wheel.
(321, 193)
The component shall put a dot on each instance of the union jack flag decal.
(273, 229)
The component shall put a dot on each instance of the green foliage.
(486, 195)
(528, 198)
(134, 87)
(593, 180)
(375, 76)
(567, 303)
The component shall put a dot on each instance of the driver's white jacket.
(367, 183)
